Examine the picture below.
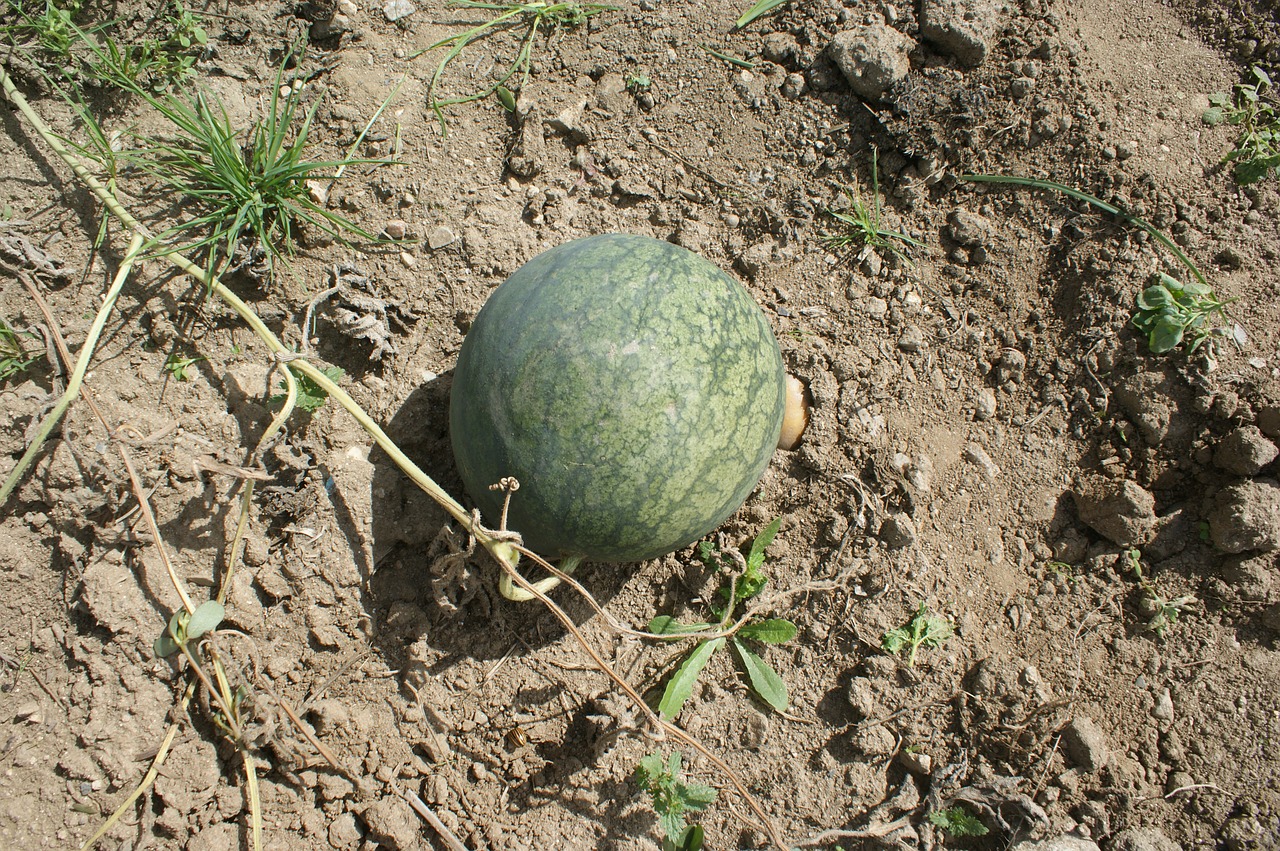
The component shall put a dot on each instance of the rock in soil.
(1086, 744)
(873, 58)
(962, 28)
(1122, 512)
(1246, 517)
(1142, 839)
(1245, 451)
(1058, 843)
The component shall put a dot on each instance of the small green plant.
(177, 366)
(14, 355)
(748, 583)
(311, 396)
(862, 223)
(955, 821)
(153, 63)
(673, 798)
(531, 16)
(50, 25)
(1256, 153)
(637, 83)
(1161, 612)
(923, 630)
(185, 628)
(1170, 312)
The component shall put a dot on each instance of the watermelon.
(634, 389)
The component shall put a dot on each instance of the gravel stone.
(873, 58)
(1122, 512)
(1143, 839)
(898, 531)
(393, 824)
(1086, 744)
(1246, 517)
(984, 404)
(912, 339)
(1245, 451)
(872, 740)
(344, 832)
(961, 28)
(1163, 709)
(968, 229)
(440, 237)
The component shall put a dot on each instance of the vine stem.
(498, 546)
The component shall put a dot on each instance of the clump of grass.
(862, 228)
(1256, 153)
(531, 17)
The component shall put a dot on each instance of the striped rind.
(634, 389)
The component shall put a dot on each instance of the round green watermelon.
(634, 390)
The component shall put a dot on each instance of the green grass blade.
(1124, 215)
(761, 8)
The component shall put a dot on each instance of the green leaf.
(668, 625)
(957, 822)
(756, 557)
(762, 7)
(1212, 116)
(1154, 298)
(690, 840)
(680, 687)
(165, 645)
(764, 679)
(772, 631)
(206, 617)
(1166, 335)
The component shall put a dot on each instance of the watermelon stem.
(517, 594)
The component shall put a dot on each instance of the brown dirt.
(983, 400)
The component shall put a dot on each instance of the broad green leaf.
(764, 679)
(894, 640)
(691, 839)
(772, 631)
(756, 558)
(680, 686)
(206, 617)
(1213, 115)
(1166, 335)
(1154, 298)
(696, 797)
(672, 822)
(164, 645)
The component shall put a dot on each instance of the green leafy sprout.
(956, 821)
(1169, 313)
(1162, 613)
(51, 25)
(187, 627)
(923, 630)
(1256, 153)
(531, 17)
(673, 798)
(177, 366)
(762, 678)
(311, 396)
(15, 358)
(637, 83)
(862, 228)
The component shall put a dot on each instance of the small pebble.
(396, 228)
(408, 260)
(1163, 710)
(440, 237)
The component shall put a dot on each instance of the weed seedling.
(761, 8)
(311, 396)
(177, 366)
(672, 799)
(1256, 153)
(1162, 613)
(637, 83)
(955, 821)
(1170, 312)
(14, 357)
(532, 17)
(764, 680)
(52, 26)
(923, 630)
(862, 223)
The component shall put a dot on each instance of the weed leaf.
(755, 560)
(668, 625)
(680, 687)
(764, 679)
(206, 617)
(1166, 335)
(957, 822)
(772, 631)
